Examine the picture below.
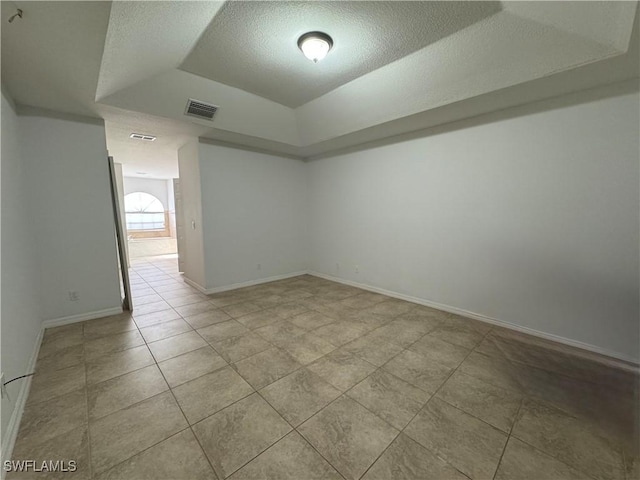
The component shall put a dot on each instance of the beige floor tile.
(70, 446)
(191, 365)
(71, 331)
(299, 395)
(177, 345)
(240, 309)
(392, 307)
(112, 343)
(145, 299)
(440, 351)
(288, 310)
(267, 301)
(43, 421)
(222, 331)
(65, 358)
(195, 308)
(101, 327)
(210, 393)
(224, 299)
(234, 436)
(280, 332)
(266, 367)
(418, 370)
(494, 371)
(311, 320)
(51, 384)
(470, 445)
(185, 300)
(295, 295)
(373, 349)
(341, 332)
(362, 300)
(236, 348)
(150, 308)
(174, 287)
(204, 319)
(407, 460)
(573, 441)
(494, 405)
(341, 369)
(155, 318)
(292, 458)
(157, 332)
(632, 466)
(389, 397)
(461, 331)
(125, 433)
(58, 339)
(524, 462)
(584, 421)
(371, 321)
(397, 333)
(307, 348)
(118, 363)
(258, 319)
(112, 395)
(177, 458)
(349, 436)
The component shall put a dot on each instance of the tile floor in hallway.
(305, 378)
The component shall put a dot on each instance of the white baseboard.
(195, 285)
(609, 357)
(9, 437)
(250, 283)
(81, 317)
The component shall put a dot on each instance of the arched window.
(143, 212)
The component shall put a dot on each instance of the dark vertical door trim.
(127, 301)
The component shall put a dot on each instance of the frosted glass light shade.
(315, 45)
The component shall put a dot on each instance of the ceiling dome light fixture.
(315, 45)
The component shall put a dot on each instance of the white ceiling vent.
(140, 136)
(196, 108)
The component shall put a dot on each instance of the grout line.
(256, 288)
(175, 399)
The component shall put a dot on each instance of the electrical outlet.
(356, 268)
(3, 388)
(73, 296)
(337, 267)
(259, 266)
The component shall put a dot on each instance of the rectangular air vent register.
(196, 108)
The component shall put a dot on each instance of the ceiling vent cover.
(196, 108)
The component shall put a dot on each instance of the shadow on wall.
(562, 101)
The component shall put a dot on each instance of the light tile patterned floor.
(309, 379)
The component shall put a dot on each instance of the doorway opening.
(149, 206)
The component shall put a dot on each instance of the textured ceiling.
(253, 45)
(125, 62)
(51, 57)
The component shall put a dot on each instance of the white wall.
(193, 254)
(155, 187)
(20, 311)
(254, 212)
(531, 220)
(72, 213)
(171, 207)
